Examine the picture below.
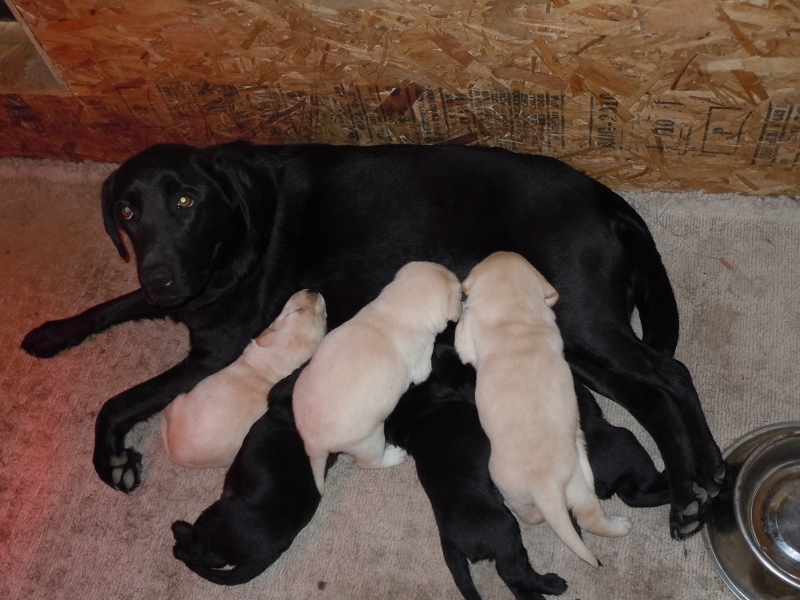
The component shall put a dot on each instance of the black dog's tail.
(234, 576)
(652, 291)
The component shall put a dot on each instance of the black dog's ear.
(239, 186)
(109, 218)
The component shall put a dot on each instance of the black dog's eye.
(185, 201)
(126, 212)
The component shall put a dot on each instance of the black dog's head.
(227, 545)
(185, 210)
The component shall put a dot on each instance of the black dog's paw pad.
(719, 475)
(118, 460)
(126, 470)
(713, 490)
(700, 493)
(687, 519)
(691, 510)
(126, 477)
(689, 528)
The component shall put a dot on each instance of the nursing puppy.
(437, 423)
(205, 428)
(526, 400)
(361, 368)
(268, 498)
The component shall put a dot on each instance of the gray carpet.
(63, 534)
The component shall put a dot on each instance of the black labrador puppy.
(437, 423)
(269, 496)
(224, 235)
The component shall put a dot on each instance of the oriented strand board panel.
(647, 94)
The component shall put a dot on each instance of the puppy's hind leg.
(374, 453)
(459, 569)
(514, 568)
(584, 504)
(319, 461)
(551, 504)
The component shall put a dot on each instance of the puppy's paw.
(621, 525)
(536, 585)
(121, 471)
(553, 584)
(393, 455)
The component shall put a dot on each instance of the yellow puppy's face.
(424, 280)
(302, 321)
(508, 275)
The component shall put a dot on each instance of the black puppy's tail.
(234, 576)
(652, 292)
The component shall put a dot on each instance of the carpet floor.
(64, 535)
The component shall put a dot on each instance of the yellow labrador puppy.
(361, 368)
(526, 400)
(205, 428)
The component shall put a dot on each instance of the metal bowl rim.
(731, 579)
(743, 521)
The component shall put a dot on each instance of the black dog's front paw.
(49, 339)
(121, 471)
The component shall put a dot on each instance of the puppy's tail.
(551, 503)
(559, 520)
(318, 463)
(652, 291)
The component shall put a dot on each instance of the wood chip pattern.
(644, 95)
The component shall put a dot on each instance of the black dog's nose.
(156, 278)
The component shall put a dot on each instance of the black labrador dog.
(269, 496)
(224, 235)
(437, 423)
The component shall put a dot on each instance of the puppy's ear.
(550, 293)
(263, 337)
(110, 218)
(467, 284)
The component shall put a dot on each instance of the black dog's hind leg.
(690, 474)
(516, 571)
(52, 337)
(459, 568)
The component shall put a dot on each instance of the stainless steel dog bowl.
(767, 505)
(753, 533)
